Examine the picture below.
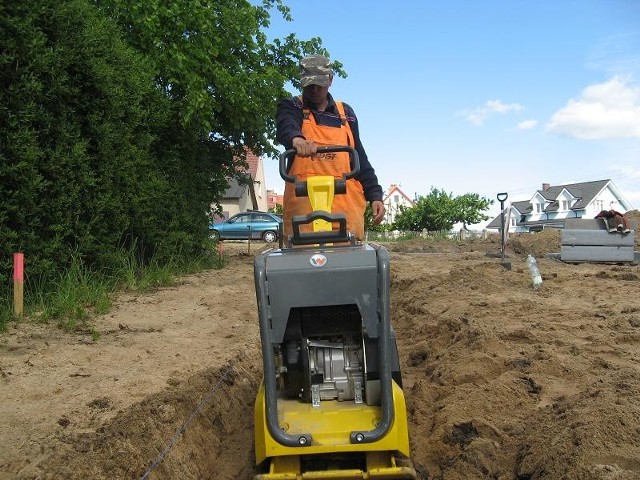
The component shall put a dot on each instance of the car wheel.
(214, 235)
(269, 236)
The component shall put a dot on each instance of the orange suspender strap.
(345, 123)
(306, 115)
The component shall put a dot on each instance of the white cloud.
(604, 110)
(478, 115)
(527, 125)
(616, 54)
(628, 171)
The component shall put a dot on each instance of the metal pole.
(502, 197)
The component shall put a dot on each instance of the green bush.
(86, 165)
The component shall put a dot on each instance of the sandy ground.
(502, 381)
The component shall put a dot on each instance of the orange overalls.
(353, 203)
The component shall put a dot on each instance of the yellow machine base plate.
(330, 425)
(288, 468)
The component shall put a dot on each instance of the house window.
(598, 205)
(396, 198)
(513, 222)
(566, 204)
(538, 207)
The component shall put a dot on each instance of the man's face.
(316, 94)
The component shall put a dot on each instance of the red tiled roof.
(394, 188)
(253, 161)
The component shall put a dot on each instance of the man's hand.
(304, 148)
(377, 207)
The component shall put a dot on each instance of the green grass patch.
(73, 297)
(81, 293)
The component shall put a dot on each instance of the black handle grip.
(502, 196)
(311, 238)
(354, 161)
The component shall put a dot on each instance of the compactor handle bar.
(354, 161)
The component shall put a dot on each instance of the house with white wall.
(393, 200)
(552, 204)
(249, 193)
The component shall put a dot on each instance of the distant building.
(248, 194)
(550, 206)
(274, 199)
(393, 200)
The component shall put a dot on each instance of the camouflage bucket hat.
(315, 70)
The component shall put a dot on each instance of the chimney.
(545, 187)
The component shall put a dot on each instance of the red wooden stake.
(18, 283)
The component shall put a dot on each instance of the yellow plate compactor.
(331, 404)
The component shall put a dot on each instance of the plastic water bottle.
(536, 278)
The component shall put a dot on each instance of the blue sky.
(484, 96)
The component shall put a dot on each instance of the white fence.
(405, 234)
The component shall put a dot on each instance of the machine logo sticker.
(318, 260)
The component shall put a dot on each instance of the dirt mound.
(435, 245)
(502, 381)
(537, 244)
(508, 382)
(185, 431)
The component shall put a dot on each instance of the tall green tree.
(440, 210)
(79, 119)
(469, 209)
(433, 212)
(214, 61)
(223, 78)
